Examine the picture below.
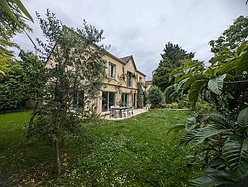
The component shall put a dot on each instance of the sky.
(142, 27)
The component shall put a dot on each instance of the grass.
(130, 152)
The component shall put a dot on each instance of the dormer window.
(111, 70)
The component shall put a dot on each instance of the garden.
(131, 152)
(64, 143)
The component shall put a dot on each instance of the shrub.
(155, 96)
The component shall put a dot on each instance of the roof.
(123, 60)
(148, 85)
(126, 59)
(148, 82)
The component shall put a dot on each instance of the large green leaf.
(229, 77)
(176, 129)
(216, 84)
(184, 77)
(209, 131)
(212, 71)
(242, 48)
(219, 119)
(242, 65)
(191, 79)
(7, 9)
(189, 136)
(23, 9)
(235, 153)
(213, 178)
(243, 117)
(229, 66)
(195, 91)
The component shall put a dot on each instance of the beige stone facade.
(121, 84)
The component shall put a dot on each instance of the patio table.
(120, 109)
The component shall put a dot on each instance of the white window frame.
(129, 79)
(111, 70)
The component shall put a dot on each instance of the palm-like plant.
(222, 147)
(180, 75)
(226, 70)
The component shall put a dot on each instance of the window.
(129, 78)
(140, 79)
(108, 100)
(111, 70)
(124, 99)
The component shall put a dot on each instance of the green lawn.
(131, 152)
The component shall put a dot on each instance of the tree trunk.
(58, 164)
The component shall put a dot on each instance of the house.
(121, 84)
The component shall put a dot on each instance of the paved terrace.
(135, 112)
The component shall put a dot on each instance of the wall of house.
(118, 83)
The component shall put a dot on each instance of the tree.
(23, 80)
(34, 74)
(140, 96)
(231, 38)
(74, 75)
(155, 96)
(12, 86)
(171, 58)
(13, 8)
(220, 138)
(12, 22)
(221, 147)
(176, 92)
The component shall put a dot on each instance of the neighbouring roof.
(148, 82)
(148, 85)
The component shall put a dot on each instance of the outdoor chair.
(148, 106)
(124, 113)
(112, 112)
(130, 111)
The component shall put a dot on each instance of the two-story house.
(121, 84)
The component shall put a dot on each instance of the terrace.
(118, 117)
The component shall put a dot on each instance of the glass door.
(108, 100)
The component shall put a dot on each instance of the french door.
(108, 100)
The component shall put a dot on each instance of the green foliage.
(173, 105)
(126, 153)
(74, 75)
(34, 74)
(183, 78)
(222, 147)
(23, 80)
(171, 58)
(155, 96)
(216, 84)
(225, 82)
(231, 37)
(220, 138)
(12, 88)
(12, 7)
(140, 96)
(12, 22)
(22, 163)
